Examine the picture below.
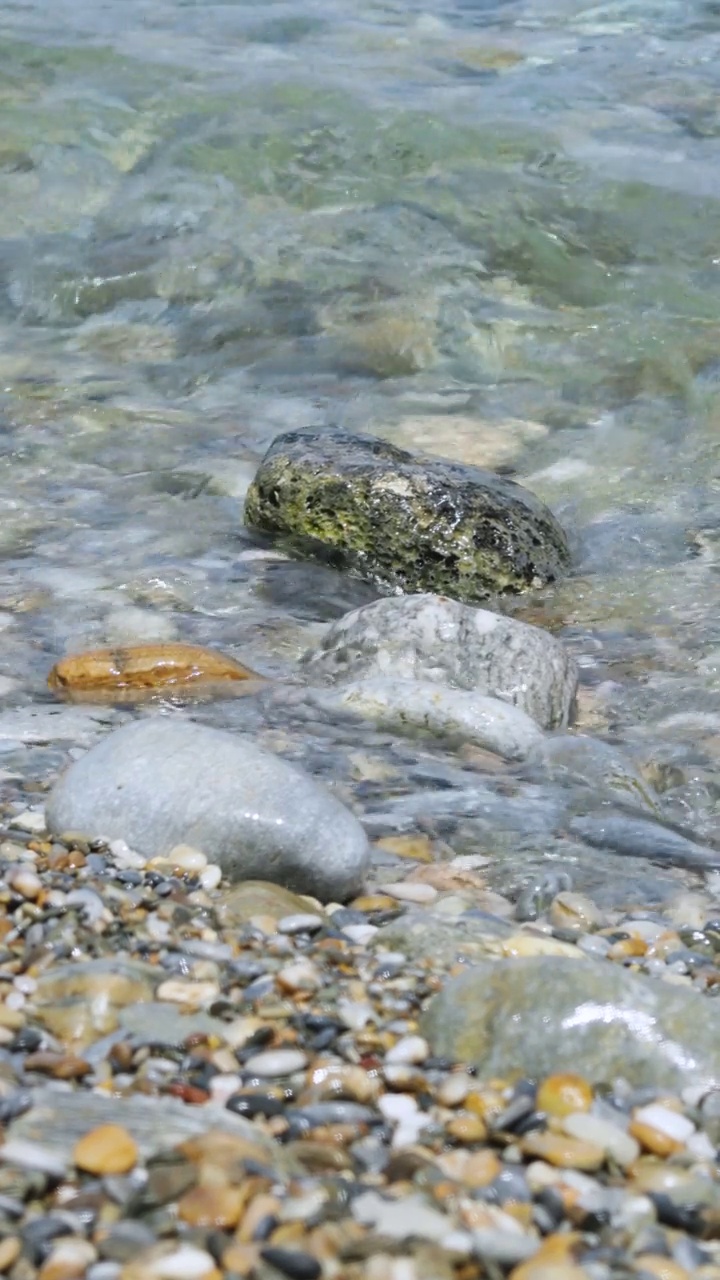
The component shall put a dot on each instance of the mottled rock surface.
(537, 1015)
(161, 782)
(406, 523)
(430, 638)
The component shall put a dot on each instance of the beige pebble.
(302, 976)
(563, 1094)
(238, 1033)
(328, 1080)
(471, 1168)
(187, 858)
(13, 1019)
(212, 1206)
(241, 1259)
(193, 994)
(107, 1149)
(454, 1089)
(465, 1127)
(655, 1264)
(410, 1050)
(9, 1251)
(25, 882)
(652, 1139)
(563, 1151)
(411, 891)
(575, 911)
(68, 1260)
(531, 944)
(548, 1270)
(210, 876)
(263, 1206)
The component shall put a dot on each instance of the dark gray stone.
(414, 524)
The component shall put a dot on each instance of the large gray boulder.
(163, 781)
(537, 1015)
(431, 638)
(407, 523)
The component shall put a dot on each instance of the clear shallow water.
(492, 231)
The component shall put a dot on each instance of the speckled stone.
(431, 638)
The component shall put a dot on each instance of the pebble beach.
(359, 640)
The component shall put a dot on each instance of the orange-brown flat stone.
(137, 672)
(107, 1149)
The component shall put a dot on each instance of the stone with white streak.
(433, 639)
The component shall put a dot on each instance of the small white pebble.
(302, 976)
(411, 1049)
(355, 1013)
(210, 876)
(454, 1089)
(700, 1146)
(126, 857)
(300, 922)
(25, 882)
(187, 858)
(24, 1154)
(276, 1062)
(398, 1107)
(194, 994)
(360, 933)
(70, 1256)
(15, 1000)
(589, 1128)
(671, 1123)
(157, 929)
(409, 891)
(186, 1263)
(300, 1208)
(55, 898)
(238, 1033)
(25, 984)
(32, 820)
(223, 1087)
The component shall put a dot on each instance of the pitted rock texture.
(404, 522)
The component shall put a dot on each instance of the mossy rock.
(406, 523)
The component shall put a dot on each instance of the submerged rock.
(535, 1016)
(430, 638)
(407, 706)
(162, 782)
(576, 760)
(406, 523)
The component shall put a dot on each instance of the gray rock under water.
(58, 1118)
(431, 638)
(578, 761)
(537, 1015)
(404, 522)
(163, 781)
(407, 706)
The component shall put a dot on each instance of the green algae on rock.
(406, 523)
